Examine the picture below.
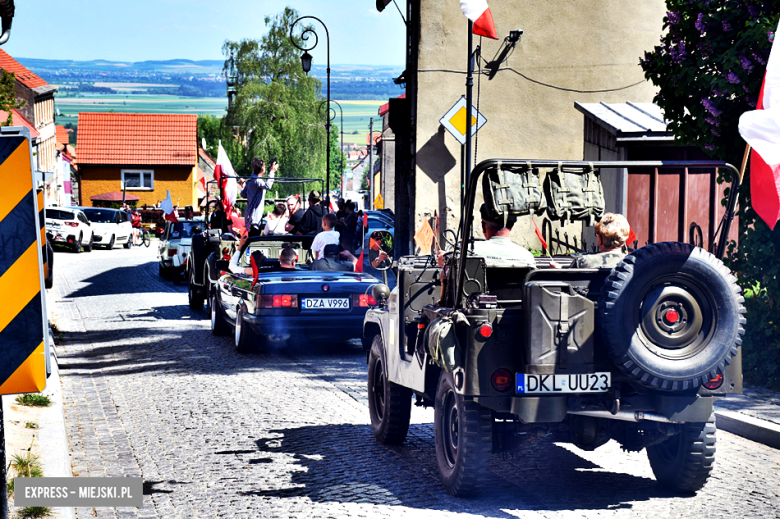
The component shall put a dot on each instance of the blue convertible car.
(275, 305)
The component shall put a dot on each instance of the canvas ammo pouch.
(443, 345)
(574, 194)
(512, 191)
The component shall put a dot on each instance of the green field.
(356, 113)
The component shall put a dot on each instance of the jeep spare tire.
(671, 316)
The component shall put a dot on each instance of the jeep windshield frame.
(465, 226)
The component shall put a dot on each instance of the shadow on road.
(343, 463)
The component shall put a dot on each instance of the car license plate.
(584, 383)
(311, 303)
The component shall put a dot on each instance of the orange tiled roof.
(377, 138)
(23, 75)
(19, 120)
(62, 135)
(138, 139)
(386, 107)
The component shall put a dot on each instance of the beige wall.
(580, 44)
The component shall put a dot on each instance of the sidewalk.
(754, 415)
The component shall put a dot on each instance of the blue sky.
(195, 29)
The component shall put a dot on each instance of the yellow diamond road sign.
(455, 120)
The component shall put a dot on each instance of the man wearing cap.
(498, 249)
(311, 223)
(331, 261)
(254, 192)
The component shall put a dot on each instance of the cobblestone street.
(150, 392)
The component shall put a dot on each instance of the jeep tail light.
(71, 224)
(486, 330)
(172, 252)
(279, 301)
(715, 383)
(362, 301)
(501, 380)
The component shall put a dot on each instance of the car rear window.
(55, 214)
(100, 215)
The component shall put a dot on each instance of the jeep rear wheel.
(671, 316)
(684, 462)
(389, 405)
(464, 439)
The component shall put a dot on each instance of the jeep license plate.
(550, 384)
(311, 303)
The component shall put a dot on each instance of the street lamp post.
(306, 65)
(341, 131)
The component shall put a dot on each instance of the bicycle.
(144, 237)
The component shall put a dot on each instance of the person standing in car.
(311, 223)
(254, 191)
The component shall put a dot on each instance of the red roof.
(386, 107)
(377, 138)
(23, 75)
(19, 120)
(114, 196)
(62, 135)
(205, 156)
(138, 139)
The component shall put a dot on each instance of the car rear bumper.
(335, 327)
(60, 238)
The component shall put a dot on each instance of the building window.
(139, 180)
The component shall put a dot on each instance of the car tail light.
(363, 300)
(486, 330)
(501, 380)
(172, 252)
(279, 301)
(71, 224)
(183, 254)
(715, 383)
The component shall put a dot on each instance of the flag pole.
(469, 89)
(744, 163)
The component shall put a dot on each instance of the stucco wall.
(96, 180)
(578, 44)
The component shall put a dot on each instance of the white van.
(110, 226)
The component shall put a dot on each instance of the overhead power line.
(541, 83)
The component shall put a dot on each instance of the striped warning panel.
(42, 224)
(22, 355)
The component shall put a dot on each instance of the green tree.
(275, 111)
(8, 99)
(210, 128)
(709, 69)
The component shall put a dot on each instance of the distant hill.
(188, 66)
(99, 65)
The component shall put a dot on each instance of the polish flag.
(478, 12)
(167, 207)
(761, 130)
(226, 180)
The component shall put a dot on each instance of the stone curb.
(754, 429)
(56, 463)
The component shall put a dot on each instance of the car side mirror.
(222, 265)
(380, 250)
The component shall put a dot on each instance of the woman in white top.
(276, 221)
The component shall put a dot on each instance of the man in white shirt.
(327, 237)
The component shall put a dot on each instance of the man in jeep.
(611, 235)
(498, 248)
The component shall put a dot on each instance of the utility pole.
(371, 161)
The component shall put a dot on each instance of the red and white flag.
(478, 12)
(761, 130)
(167, 208)
(226, 180)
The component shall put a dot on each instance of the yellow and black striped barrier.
(23, 322)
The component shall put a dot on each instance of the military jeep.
(637, 353)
